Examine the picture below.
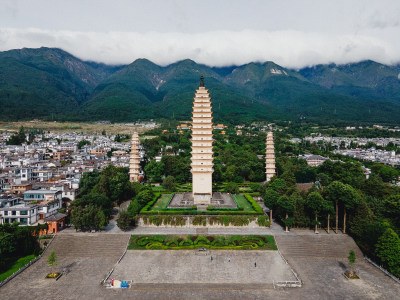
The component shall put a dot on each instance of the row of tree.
(17, 241)
(368, 209)
(99, 193)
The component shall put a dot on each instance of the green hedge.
(151, 203)
(257, 208)
(175, 242)
(262, 221)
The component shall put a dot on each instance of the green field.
(16, 266)
(161, 202)
(241, 200)
(185, 242)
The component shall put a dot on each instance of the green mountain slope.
(366, 79)
(51, 83)
(44, 82)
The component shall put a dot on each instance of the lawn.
(185, 242)
(162, 202)
(242, 201)
(16, 266)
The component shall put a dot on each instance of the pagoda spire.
(202, 139)
(201, 81)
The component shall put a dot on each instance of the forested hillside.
(54, 85)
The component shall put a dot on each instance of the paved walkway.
(90, 256)
(191, 266)
(275, 229)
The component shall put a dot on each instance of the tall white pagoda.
(202, 139)
(269, 157)
(134, 159)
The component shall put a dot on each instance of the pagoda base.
(218, 200)
(202, 199)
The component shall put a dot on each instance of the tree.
(18, 138)
(52, 260)
(388, 251)
(316, 203)
(392, 208)
(77, 217)
(169, 183)
(288, 205)
(352, 260)
(88, 181)
(124, 220)
(335, 193)
(154, 170)
(328, 209)
(350, 200)
(134, 208)
(83, 143)
(100, 220)
(232, 188)
(270, 200)
(144, 197)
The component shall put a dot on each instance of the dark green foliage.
(263, 221)
(232, 188)
(98, 200)
(17, 241)
(154, 171)
(88, 217)
(352, 259)
(83, 143)
(391, 209)
(169, 183)
(18, 138)
(88, 181)
(171, 242)
(388, 249)
(287, 204)
(124, 220)
(271, 198)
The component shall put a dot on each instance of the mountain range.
(52, 84)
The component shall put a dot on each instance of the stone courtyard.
(192, 266)
(319, 261)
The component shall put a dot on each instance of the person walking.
(212, 258)
(255, 265)
(229, 259)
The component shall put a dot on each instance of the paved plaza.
(319, 261)
(192, 266)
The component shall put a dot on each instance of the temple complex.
(202, 139)
(269, 157)
(134, 160)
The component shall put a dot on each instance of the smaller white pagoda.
(269, 157)
(134, 159)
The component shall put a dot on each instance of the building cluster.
(372, 154)
(348, 141)
(355, 147)
(37, 178)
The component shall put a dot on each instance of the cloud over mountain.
(289, 48)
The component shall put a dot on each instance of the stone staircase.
(100, 245)
(332, 245)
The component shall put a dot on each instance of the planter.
(349, 275)
(52, 275)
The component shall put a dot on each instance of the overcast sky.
(292, 33)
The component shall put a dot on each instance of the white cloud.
(289, 48)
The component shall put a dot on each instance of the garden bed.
(245, 202)
(52, 275)
(185, 242)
